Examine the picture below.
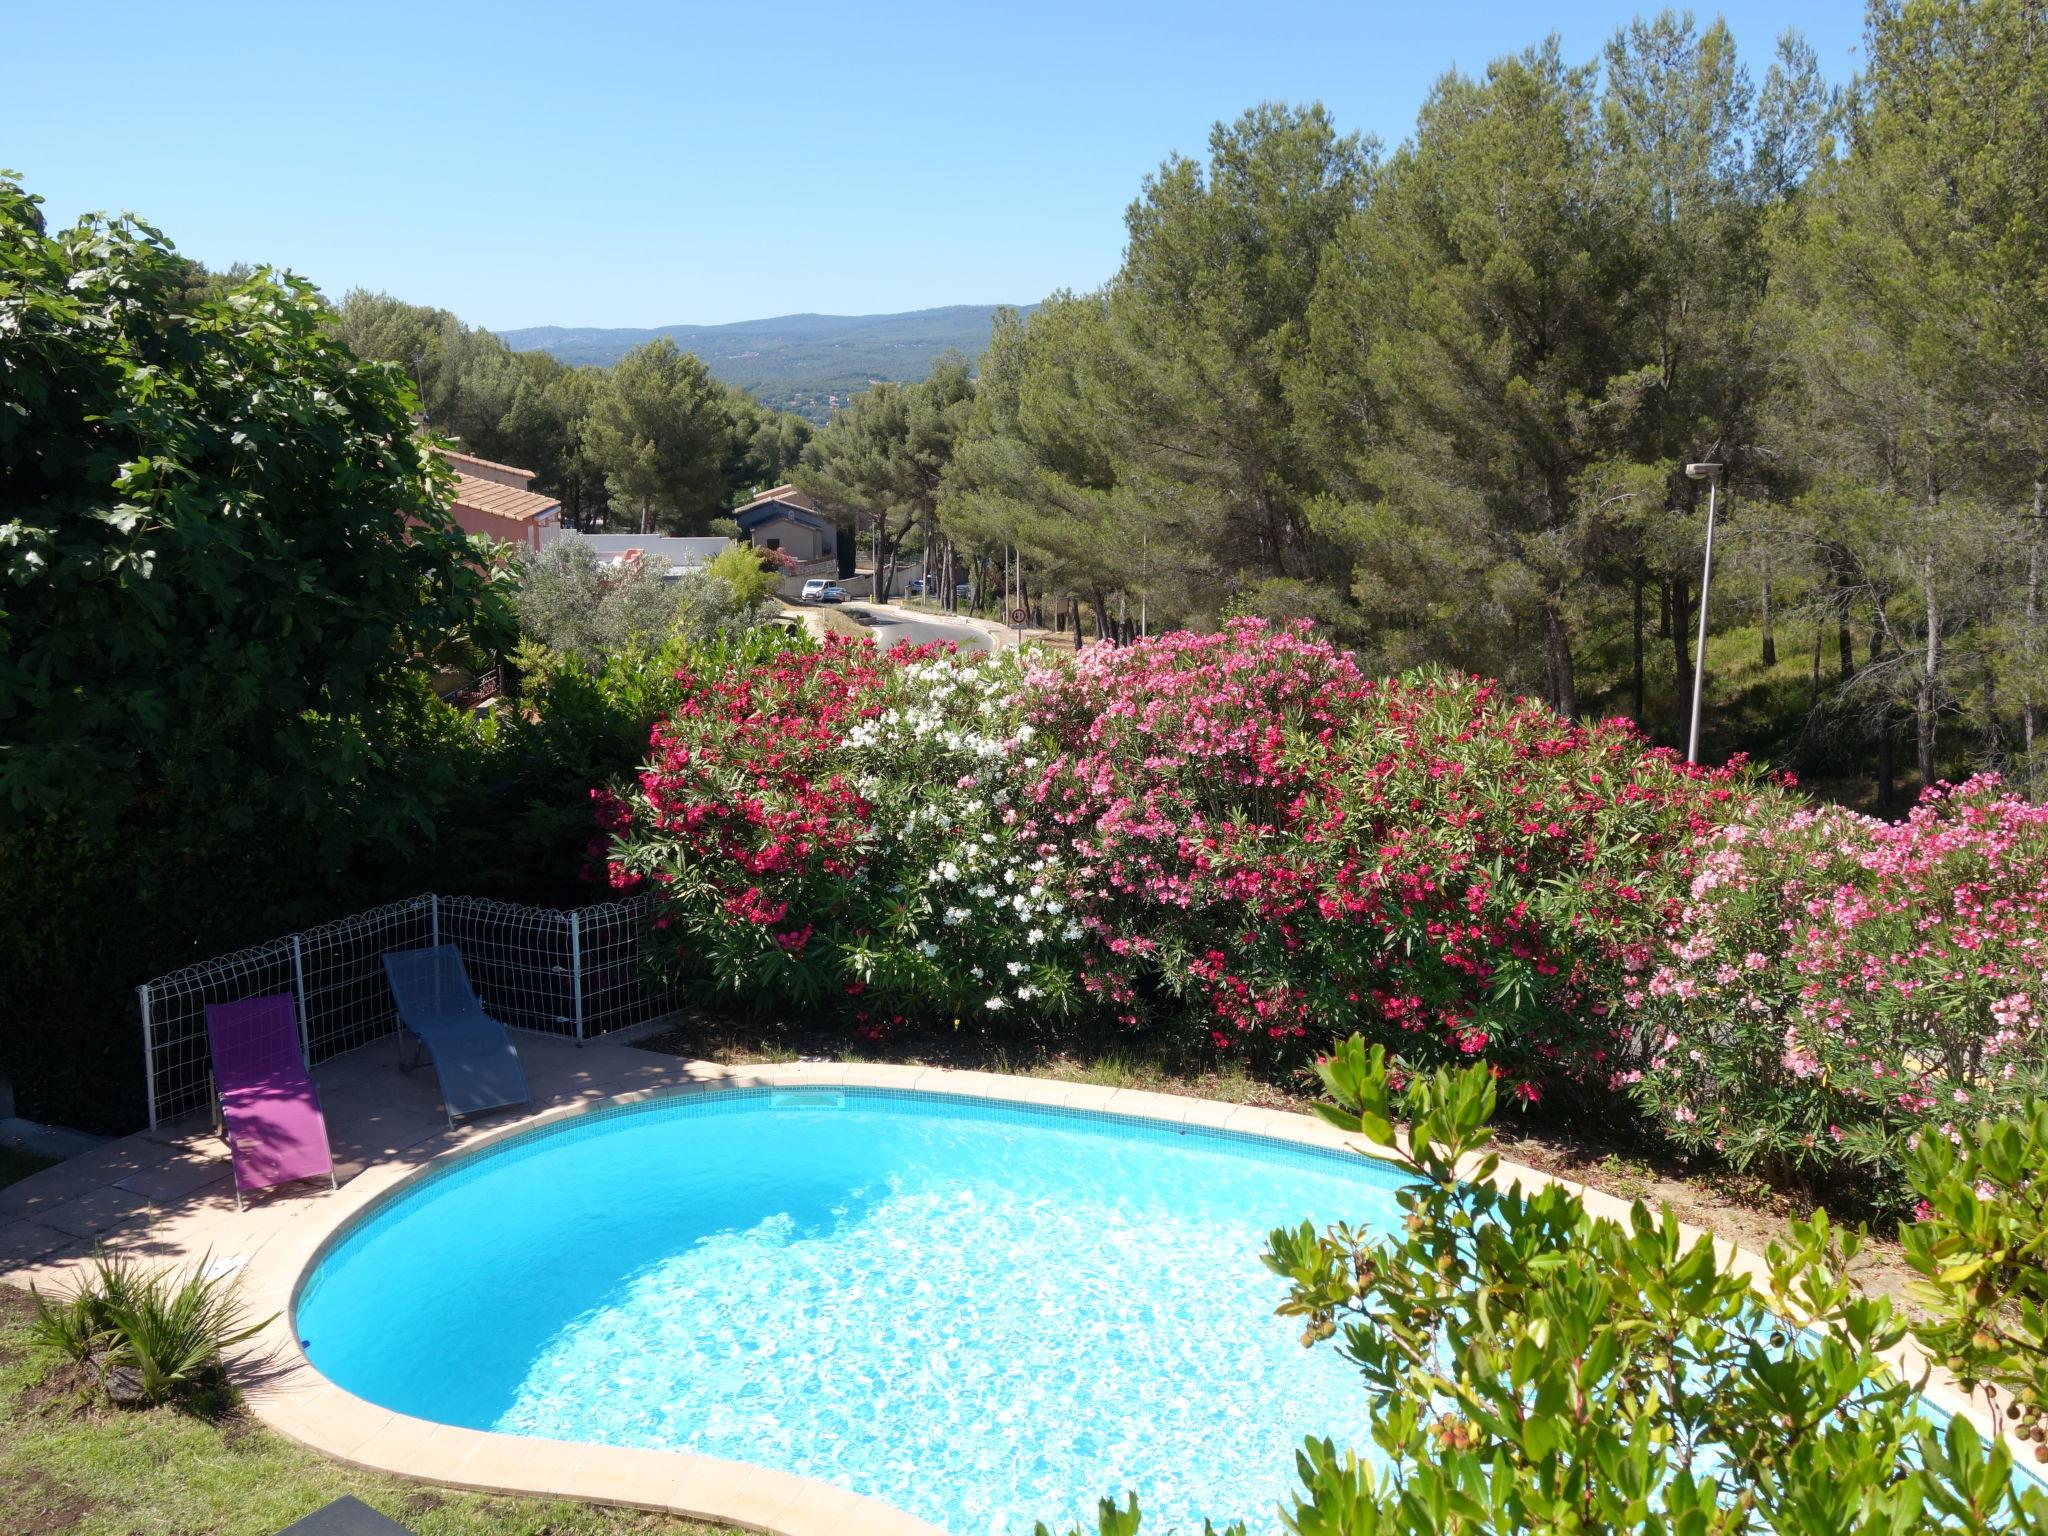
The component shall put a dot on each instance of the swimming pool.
(983, 1313)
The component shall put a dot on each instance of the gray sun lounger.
(438, 1013)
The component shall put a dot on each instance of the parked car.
(832, 595)
(963, 590)
(917, 586)
(815, 589)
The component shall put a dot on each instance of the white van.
(814, 589)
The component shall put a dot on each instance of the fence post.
(576, 970)
(148, 1055)
(299, 986)
(433, 918)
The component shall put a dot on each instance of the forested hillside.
(1439, 396)
(652, 442)
(809, 364)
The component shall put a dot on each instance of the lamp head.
(1702, 471)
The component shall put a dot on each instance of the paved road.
(889, 629)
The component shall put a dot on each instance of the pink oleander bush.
(1278, 850)
(1834, 987)
(1234, 843)
(1237, 845)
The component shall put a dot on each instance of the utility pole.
(1711, 473)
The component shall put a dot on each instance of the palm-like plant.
(152, 1336)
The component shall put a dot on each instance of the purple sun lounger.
(269, 1112)
(438, 1012)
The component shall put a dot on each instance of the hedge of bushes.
(1236, 843)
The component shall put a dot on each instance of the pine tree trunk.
(1664, 610)
(1636, 638)
(2029, 640)
(1100, 599)
(1820, 637)
(1887, 774)
(1557, 651)
(1681, 655)
(1930, 673)
(1845, 644)
(1770, 641)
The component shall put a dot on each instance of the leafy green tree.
(523, 408)
(659, 431)
(1042, 466)
(1210, 314)
(883, 457)
(765, 444)
(224, 560)
(569, 603)
(1484, 304)
(1909, 302)
(752, 582)
(222, 540)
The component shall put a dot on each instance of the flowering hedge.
(1238, 844)
(1835, 985)
(833, 826)
(1235, 840)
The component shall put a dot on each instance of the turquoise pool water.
(984, 1314)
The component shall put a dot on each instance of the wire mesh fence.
(572, 973)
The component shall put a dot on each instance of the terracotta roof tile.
(460, 459)
(489, 496)
(788, 495)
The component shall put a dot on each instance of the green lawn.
(67, 1465)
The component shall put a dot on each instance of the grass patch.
(16, 1164)
(70, 1465)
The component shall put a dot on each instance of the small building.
(497, 500)
(788, 520)
(623, 549)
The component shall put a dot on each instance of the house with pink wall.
(497, 500)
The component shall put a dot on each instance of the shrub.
(834, 825)
(1979, 1246)
(1531, 1367)
(752, 574)
(1300, 851)
(1834, 986)
(150, 1336)
(1235, 841)
(224, 558)
(570, 603)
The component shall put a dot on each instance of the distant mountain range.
(802, 363)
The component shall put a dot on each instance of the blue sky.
(649, 164)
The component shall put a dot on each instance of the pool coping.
(288, 1393)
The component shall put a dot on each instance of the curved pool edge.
(290, 1395)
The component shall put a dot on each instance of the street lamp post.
(1711, 473)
